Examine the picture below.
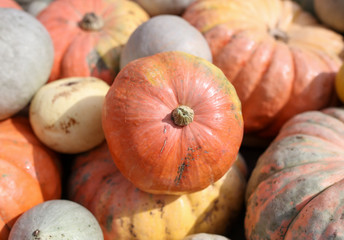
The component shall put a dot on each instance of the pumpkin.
(205, 236)
(93, 33)
(26, 54)
(127, 213)
(9, 4)
(57, 219)
(173, 123)
(307, 5)
(66, 114)
(158, 7)
(29, 172)
(164, 33)
(296, 189)
(279, 59)
(339, 83)
(34, 7)
(330, 13)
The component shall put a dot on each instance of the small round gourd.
(57, 219)
(164, 33)
(66, 114)
(26, 58)
(205, 236)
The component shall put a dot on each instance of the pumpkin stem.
(91, 22)
(279, 34)
(182, 115)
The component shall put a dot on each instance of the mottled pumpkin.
(279, 59)
(296, 189)
(173, 123)
(88, 35)
(29, 172)
(127, 213)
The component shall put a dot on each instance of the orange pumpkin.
(173, 123)
(29, 172)
(88, 35)
(126, 213)
(10, 4)
(279, 59)
(296, 189)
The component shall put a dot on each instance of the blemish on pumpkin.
(131, 230)
(108, 224)
(65, 126)
(180, 172)
(162, 205)
(36, 233)
(163, 146)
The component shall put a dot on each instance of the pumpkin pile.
(171, 119)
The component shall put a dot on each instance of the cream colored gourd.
(66, 114)
(164, 33)
(26, 58)
(205, 236)
(157, 7)
(57, 220)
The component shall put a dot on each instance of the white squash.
(34, 7)
(26, 58)
(66, 114)
(56, 220)
(205, 236)
(157, 7)
(164, 33)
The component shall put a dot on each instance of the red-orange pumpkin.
(10, 4)
(296, 189)
(88, 35)
(29, 172)
(173, 123)
(279, 59)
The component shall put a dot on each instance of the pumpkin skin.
(296, 189)
(57, 219)
(279, 59)
(164, 157)
(10, 4)
(66, 114)
(93, 35)
(27, 44)
(158, 7)
(164, 33)
(29, 172)
(127, 213)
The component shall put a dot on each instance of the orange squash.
(277, 56)
(126, 213)
(10, 4)
(29, 172)
(88, 35)
(173, 123)
(296, 189)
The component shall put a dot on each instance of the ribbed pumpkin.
(296, 189)
(29, 173)
(10, 4)
(126, 213)
(279, 59)
(173, 123)
(88, 35)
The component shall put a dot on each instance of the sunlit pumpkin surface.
(279, 59)
(88, 35)
(296, 188)
(153, 152)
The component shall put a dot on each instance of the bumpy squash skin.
(126, 213)
(29, 171)
(279, 59)
(163, 157)
(296, 187)
(96, 53)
